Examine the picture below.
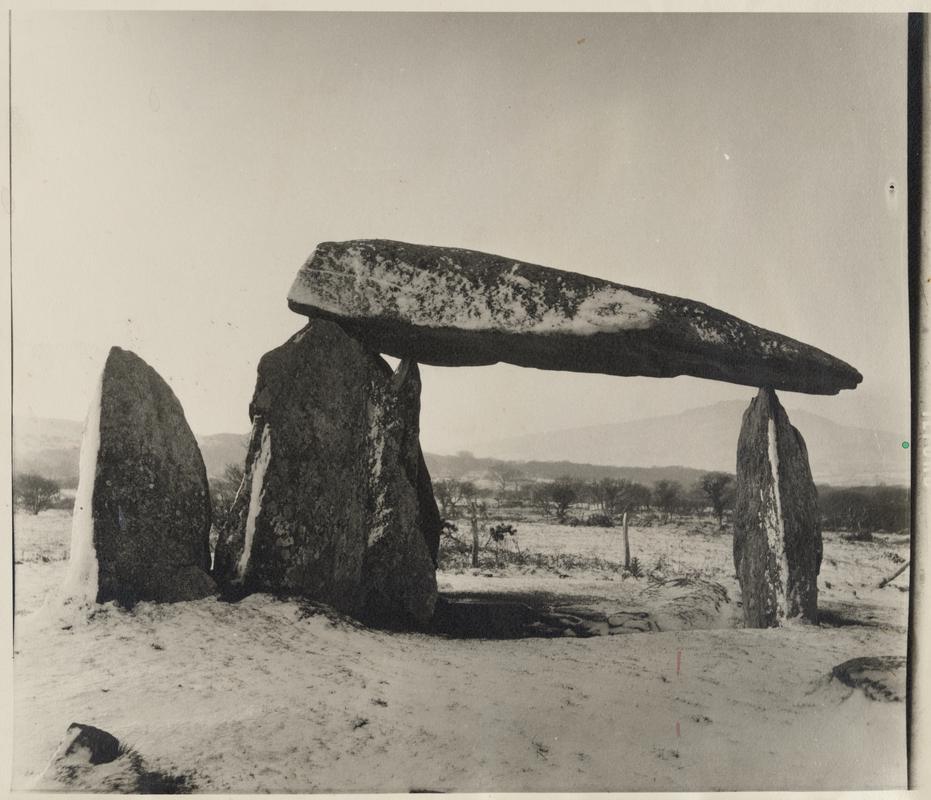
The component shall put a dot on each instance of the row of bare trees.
(868, 508)
(609, 496)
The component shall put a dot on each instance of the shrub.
(35, 493)
(498, 533)
(599, 521)
(864, 508)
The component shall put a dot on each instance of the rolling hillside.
(51, 447)
(674, 447)
(706, 439)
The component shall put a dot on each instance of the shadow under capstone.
(529, 615)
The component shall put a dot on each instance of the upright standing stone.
(334, 504)
(777, 534)
(142, 512)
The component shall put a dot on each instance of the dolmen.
(141, 522)
(455, 307)
(336, 503)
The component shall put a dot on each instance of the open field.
(278, 695)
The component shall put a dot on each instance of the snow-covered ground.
(269, 695)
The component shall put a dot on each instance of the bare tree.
(35, 492)
(667, 494)
(606, 493)
(449, 494)
(223, 491)
(539, 495)
(563, 492)
(475, 511)
(620, 496)
(506, 477)
(715, 485)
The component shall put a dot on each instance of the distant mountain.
(674, 447)
(706, 439)
(52, 447)
(466, 466)
(220, 449)
(49, 447)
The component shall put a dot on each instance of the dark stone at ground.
(777, 533)
(92, 760)
(334, 505)
(151, 502)
(483, 619)
(102, 747)
(879, 677)
(454, 307)
(490, 616)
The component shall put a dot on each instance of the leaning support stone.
(141, 523)
(335, 503)
(777, 534)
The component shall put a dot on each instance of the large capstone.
(777, 533)
(336, 503)
(453, 307)
(142, 512)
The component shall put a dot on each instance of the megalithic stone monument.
(336, 502)
(452, 307)
(141, 522)
(777, 533)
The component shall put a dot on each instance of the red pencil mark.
(678, 661)
(677, 729)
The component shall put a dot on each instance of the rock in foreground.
(92, 760)
(878, 677)
(334, 504)
(453, 307)
(777, 533)
(142, 511)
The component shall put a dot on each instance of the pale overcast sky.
(172, 171)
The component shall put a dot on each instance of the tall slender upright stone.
(777, 534)
(141, 523)
(336, 502)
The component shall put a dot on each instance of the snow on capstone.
(453, 307)
(437, 299)
(255, 499)
(80, 585)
